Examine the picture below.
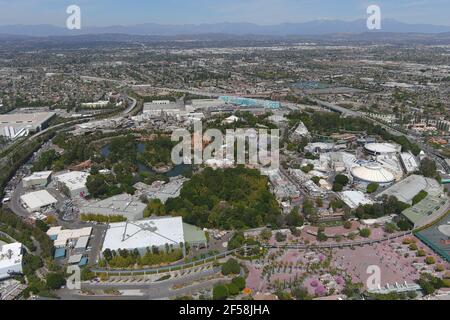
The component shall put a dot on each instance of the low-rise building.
(73, 183)
(154, 232)
(37, 179)
(10, 260)
(123, 205)
(38, 200)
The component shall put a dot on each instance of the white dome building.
(382, 148)
(372, 172)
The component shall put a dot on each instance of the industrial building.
(161, 108)
(426, 210)
(409, 162)
(150, 233)
(68, 237)
(161, 190)
(382, 148)
(38, 200)
(37, 179)
(10, 260)
(73, 183)
(406, 189)
(18, 125)
(301, 131)
(354, 199)
(123, 205)
(372, 172)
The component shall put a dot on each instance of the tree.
(341, 179)
(232, 289)
(372, 187)
(266, 234)
(155, 207)
(55, 280)
(347, 225)
(294, 219)
(419, 197)
(428, 168)
(321, 236)
(231, 267)
(220, 292)
(301, 293)
(239, 282)
(280, 237)
(337, 187)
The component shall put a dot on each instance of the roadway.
(149, 291)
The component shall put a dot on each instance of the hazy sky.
(126, 12)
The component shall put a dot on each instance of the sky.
(264, 12)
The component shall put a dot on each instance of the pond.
(175, 171)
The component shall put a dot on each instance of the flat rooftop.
(144, 233)
(73, 180)
(406, 189)
(10, 254)
(38, 199)
(32, 119)
(38, 175)
(122, 204)
(424, 209)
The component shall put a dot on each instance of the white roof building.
(61, 237)
(75, 182)
(41, 178)
(16, 125)
(144, 233)
(34, 201)
(382, 148)
(372, 172)
(353, 199)
(409, 162)
(301, 130)
(10, 259)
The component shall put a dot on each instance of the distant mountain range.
(316, 27)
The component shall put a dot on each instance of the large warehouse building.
(120, 205)
(156, 232)
(10, 260)
(35, 201)
(17, 125)
(372, 172)
(406, 189)
(382, 148)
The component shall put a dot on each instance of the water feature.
(175, 171)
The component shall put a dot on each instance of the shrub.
(430, 260)
(421, 253)
(55, 280)
(347, 224)
(365, 233)
(440, 268)
(233, 290)
(413, 246)
(231, 267)
(220, 292)
(239, 282)
(372, 187)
